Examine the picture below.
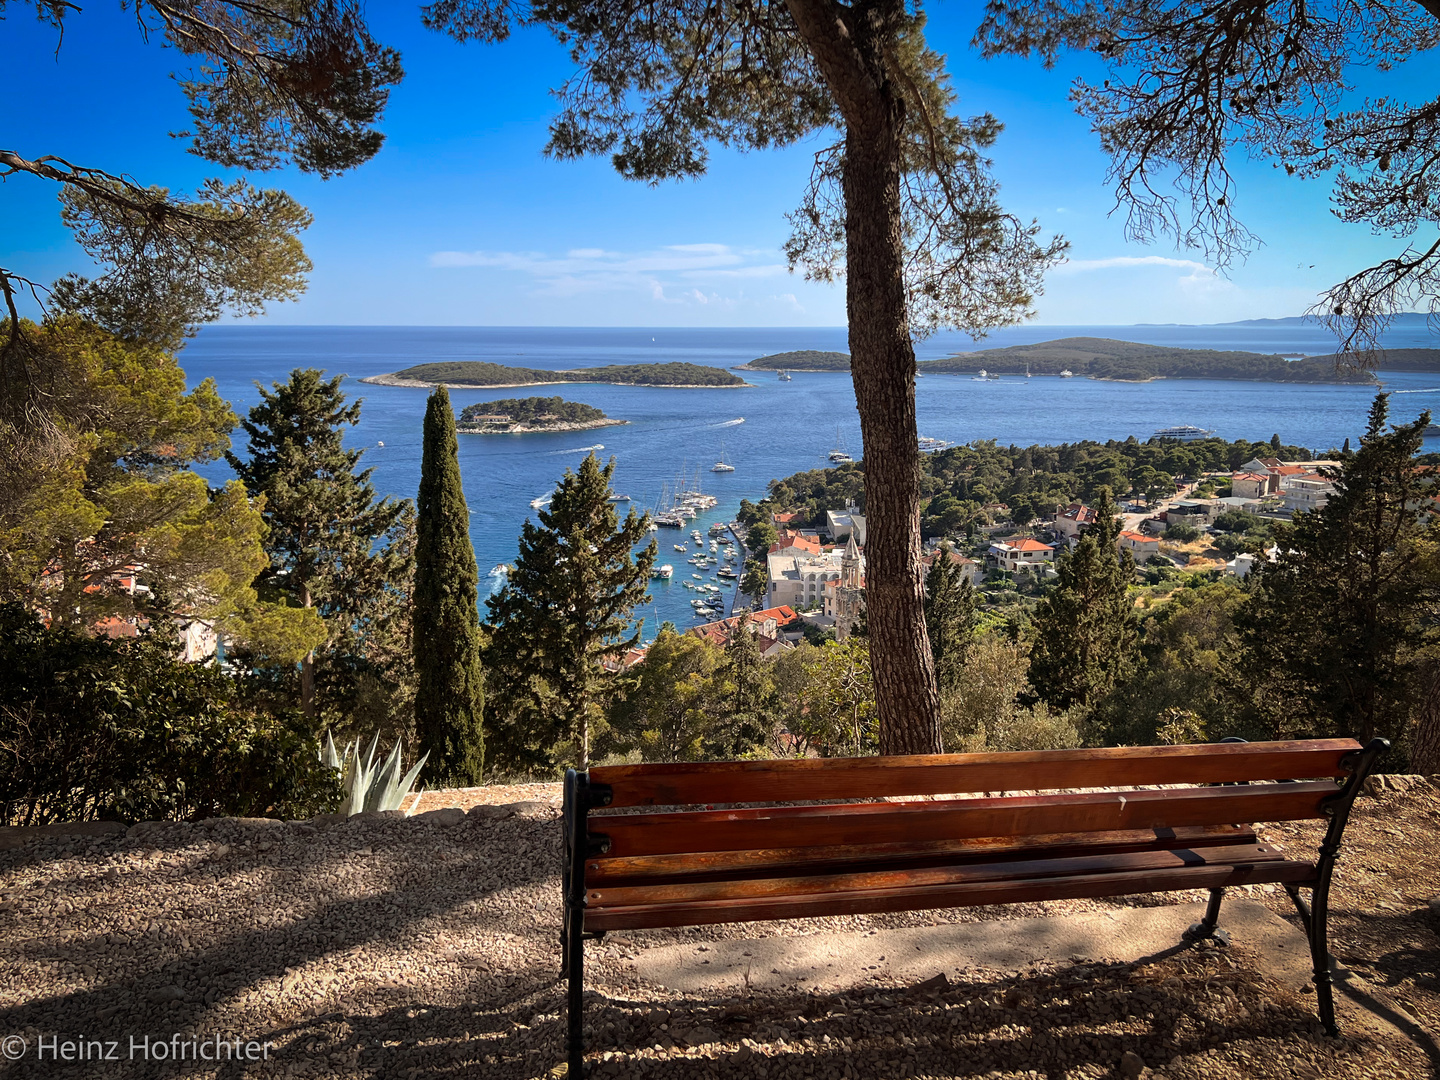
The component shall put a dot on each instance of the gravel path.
(393, 947)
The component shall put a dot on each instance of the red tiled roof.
(784, 519)
(1250, 476)
(1027, 544)
(1137, 537)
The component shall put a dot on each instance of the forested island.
(484, 373)
(1401, 359)
(799, 360)
(516, 416)
(1128, 361)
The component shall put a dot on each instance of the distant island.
(517, 416)
(1129, 361)
(1120, 361)
(800, 360)
(1401, 359)
(483, 373)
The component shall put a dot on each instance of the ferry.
(1182, 433)
(662, 573)
(929, 445)
(1067, 374)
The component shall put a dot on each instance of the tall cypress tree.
(950, 617)
(565, 611)
(1085, 626)
(449, 695)
(333, 544)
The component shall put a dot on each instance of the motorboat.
(662, 573)
(1067, 374)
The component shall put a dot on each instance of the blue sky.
(460, 220)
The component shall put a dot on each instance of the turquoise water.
(787, 426)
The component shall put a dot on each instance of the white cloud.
(674, 274)
(1080, 266)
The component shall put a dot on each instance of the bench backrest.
(836, 818)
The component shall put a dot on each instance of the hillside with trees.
(1401, 359)
(484, 373)
(531, 414)
(799, 360)
(958, 484)
(1130, 361)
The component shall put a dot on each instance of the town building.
(846, 596)
(969, 567)
(798, 580)
(841, 526)
(768, 626)
(1141, 547)
(1249, 485)
(1026, 554)
(1072, 521)
(1305, 491)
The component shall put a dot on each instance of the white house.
(1026, 554)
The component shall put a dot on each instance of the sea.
(768, 430)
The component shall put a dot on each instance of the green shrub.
(122, 730)
(1182, 532)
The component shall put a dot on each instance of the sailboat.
(722, 465)
(839, 455)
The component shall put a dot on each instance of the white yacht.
(1067, 374)
(1182, 432)
(662, 573)
(722, 465)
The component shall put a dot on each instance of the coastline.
(391, 380)
(527, 429)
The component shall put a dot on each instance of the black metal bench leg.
(1320, 959)
(1206, 926)
(575, 1007)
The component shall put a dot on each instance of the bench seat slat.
(810, 779)
(953, 819)
(874, 901)
(794, 885)
(728, 865)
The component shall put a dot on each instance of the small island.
(519, 416)
(799, 360)
(462, 373)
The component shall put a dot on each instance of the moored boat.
(1183, 433)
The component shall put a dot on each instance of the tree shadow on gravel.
(138, 972)
(1049, 1022)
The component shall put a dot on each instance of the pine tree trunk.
(1425, 735)
(882, 364)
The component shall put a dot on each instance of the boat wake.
(1431, 390)
(728, 423)
(580, 449)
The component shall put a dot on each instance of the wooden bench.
(632, 861)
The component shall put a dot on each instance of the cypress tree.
(333, 545)
(950, 617)
(449, 696)
(563, 614)
(746, 704)
(1339, 635)
(1085, 626)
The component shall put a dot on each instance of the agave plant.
(368, 786)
